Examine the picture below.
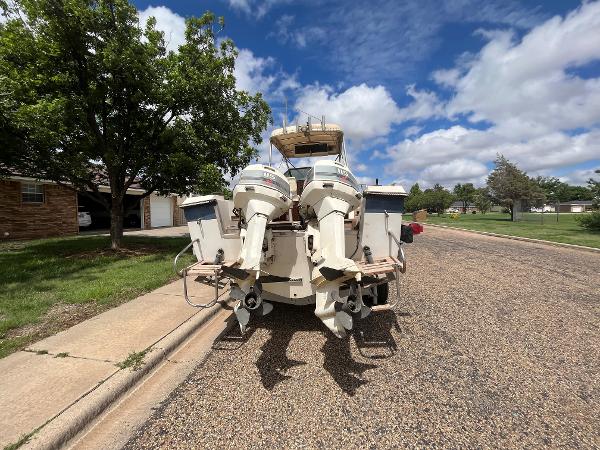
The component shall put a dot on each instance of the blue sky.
(426, 91)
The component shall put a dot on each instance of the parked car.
(84, 219)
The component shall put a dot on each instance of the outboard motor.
(262, 194)
(330, 192)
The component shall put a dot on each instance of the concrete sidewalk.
(51, 380)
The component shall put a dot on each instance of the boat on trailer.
(310, 235)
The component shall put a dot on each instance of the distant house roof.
(577, 202)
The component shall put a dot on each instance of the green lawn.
(565, 230)
(48, 285)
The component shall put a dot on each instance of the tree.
(482, 200)
(88, 97)
(554, 189)
(437, 199)
(464, 193)
(414, 200)
(507, 184)
(594, 186)
(578, 193)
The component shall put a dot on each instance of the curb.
(68, 423)
(520, 238)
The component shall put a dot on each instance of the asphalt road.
(496, 344)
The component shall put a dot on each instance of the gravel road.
(496, 344)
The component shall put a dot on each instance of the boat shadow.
(373, 337)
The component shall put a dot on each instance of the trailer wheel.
(382, 296)
(382, 293)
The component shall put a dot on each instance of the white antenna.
(285, 117)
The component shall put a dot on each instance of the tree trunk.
(116, 223)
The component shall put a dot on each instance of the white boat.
(310, 235)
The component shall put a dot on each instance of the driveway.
(495, 344)
(161, 232)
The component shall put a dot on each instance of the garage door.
(160, 212)
(576, 208)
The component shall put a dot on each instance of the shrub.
(589, 221)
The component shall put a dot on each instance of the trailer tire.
(382, 296)
(382, 293)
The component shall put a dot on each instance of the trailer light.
(417, 228)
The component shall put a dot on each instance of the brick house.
(38, 209)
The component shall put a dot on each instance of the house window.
(32, 193)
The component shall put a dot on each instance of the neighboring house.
(575, 206)
(36, 209)
(459, 207)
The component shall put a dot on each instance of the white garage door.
(576, 208)
(160, 212)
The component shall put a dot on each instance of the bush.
(589, 221)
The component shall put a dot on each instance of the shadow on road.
(372, 335)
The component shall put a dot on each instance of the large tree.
(91, 97)
(437, 199)
(508, 184)
(465, 193)
(414, 200)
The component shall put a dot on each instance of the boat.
(307, 236)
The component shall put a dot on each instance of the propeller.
(250, 304)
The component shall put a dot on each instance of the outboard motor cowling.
(262, 194)
(331, 192)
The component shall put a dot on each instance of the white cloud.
(412, 130)
(170, 23)
(250, 72)
(255, 8)
(257, 74)
(425, 104)
(528, 87)
(440, 149)
(377, 48)
(287, 31)
(456, 171)
(581, 176)
(364, 112)
(530, 94)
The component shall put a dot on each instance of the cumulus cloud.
(580, 176)
(539, 111)
(364, 112)
(257, 74)
(531, 86)
(456, 171)
(437, 151)
(250, 72)
(424, 105)
(170, 23)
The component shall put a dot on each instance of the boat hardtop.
(299, 141)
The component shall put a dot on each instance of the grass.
(135, 360)
(51, 284)
(566, 230)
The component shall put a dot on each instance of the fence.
(523, 212)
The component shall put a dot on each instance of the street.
(495, 344)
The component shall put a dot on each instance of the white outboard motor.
(262, 194)
(331, 192)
